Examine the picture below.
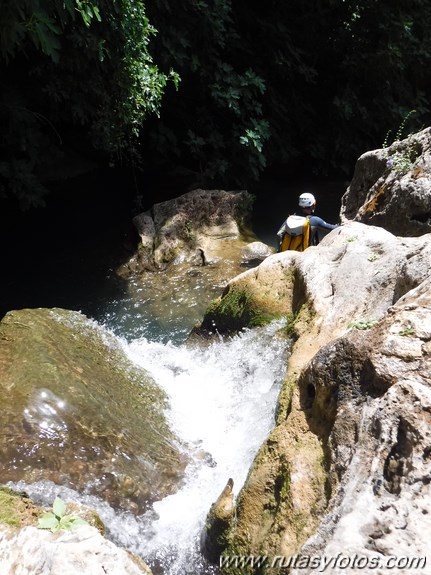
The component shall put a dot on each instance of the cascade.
(222, 400)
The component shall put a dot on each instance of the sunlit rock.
(370, 406)
(27, 548)
(75, 411)
(218, 522)
(82, 550)
(256, 251)
(360, 282)
(391, 187)
(173, 231)
(189, 248)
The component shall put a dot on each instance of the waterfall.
(222, 403)
(222, 399)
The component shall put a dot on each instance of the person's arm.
(317, 222)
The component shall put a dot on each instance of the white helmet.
(306, 200)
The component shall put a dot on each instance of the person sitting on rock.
(301, 230)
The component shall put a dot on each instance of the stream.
(222, 399)
(222, 396)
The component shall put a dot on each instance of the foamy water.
(222, 401)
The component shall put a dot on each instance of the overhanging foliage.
(302, 84)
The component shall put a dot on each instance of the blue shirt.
(316, 223)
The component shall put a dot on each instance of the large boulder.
(343, 286)
(76, 411)
(391, 187)
(355, 259)
(190, 246)
(367, 395)
(196, 227)
(83, 550)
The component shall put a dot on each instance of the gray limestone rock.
(391, 187)
(172, 231)
(82, 550)
(352, 424)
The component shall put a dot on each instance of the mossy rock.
(214, 537)
(17, 509)
(235, 310)
(76, 411)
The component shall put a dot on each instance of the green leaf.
(79, 521)
(59, 507)
(70, 6)
(96, 12)
(69, 521)
(48, 521)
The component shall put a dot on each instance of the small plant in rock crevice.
(58, 519)
(407, 331)
(363, 324)
(402, 161)
(400, 130)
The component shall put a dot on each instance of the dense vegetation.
(303, 84)
(77, 80)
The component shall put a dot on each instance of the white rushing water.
(222, 402)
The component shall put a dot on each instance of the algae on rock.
(234, 310)
(17, 509)
(77, 412)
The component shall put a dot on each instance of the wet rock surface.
(75, 411)
(26, 548)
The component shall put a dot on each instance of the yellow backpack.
(297, 232)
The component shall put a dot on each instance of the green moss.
(234, 311)
(290, 327)
(282, 485)
(53, 355)
(303, 319)
(16, 509)
(284, 404)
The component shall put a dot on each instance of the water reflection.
(164, 306)
(43, 415)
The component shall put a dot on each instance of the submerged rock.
(76, 411)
